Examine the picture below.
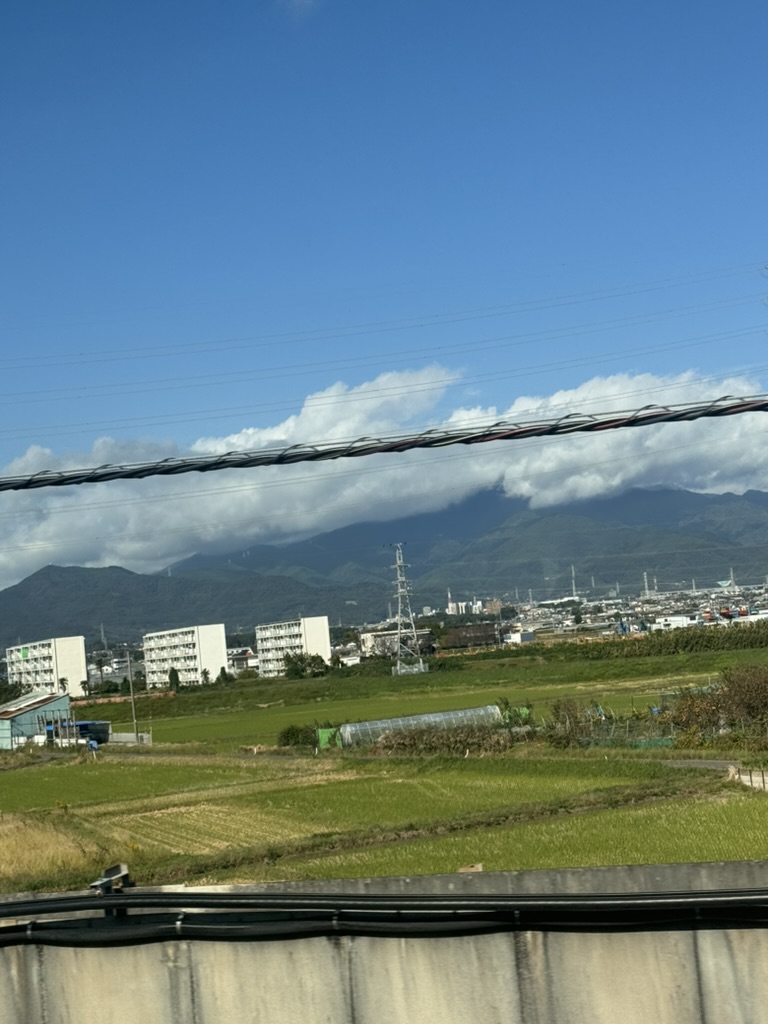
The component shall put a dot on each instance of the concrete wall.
(526, 977)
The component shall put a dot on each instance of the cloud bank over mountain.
(144, 525)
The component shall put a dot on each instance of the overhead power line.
(502, 430)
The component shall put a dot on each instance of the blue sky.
(234, 225)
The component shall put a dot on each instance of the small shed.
(21, 719)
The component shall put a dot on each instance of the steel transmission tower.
(407, 640)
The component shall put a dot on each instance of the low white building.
(26, 718)
(522, 636)
(241, 658)
(194, 651)
(298, 636)
(677, 622)
(49, 665)
(382, 643)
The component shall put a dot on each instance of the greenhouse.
(354, 733)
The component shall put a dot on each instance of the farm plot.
(112, 778)
(166, 808)
(391, 794)
(187, 818)
(346, 797)
(256, 712)
(41, 852)
(725, 828)
(263, 725)
(362, 799)
(206, 828)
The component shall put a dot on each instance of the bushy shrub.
(304, 666)
(297, 736)
(454, 742)
(740, 698)
(302, 735)
(696, 710)
(745, 693)
(570, 724)
(452, 664)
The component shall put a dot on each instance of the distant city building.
(26, 718)
(298, 636)
(383, 643)
(49, 665)
(523, 636)
(241, 658)
(348, 654)
(677, 622)
(194, 651)
(749, 618)
(473, 607)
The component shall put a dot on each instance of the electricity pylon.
(407, 640)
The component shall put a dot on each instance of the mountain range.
(486, 546)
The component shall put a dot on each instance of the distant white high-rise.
(50, 665)
(194, 651)
(298, 636)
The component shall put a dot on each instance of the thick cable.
(225, 917)
(502, 430)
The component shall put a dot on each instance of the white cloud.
(144, 525)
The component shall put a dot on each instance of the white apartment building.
(190, 650)
(299, 636)
(49, 665)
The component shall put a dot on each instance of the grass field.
(229, 718)
(175, 815)
(174, 818)
(724, 828)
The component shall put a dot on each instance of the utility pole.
(133, 699)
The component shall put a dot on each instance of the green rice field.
(222, 818)
(227, 719)
(199, 807)
(724, 829)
